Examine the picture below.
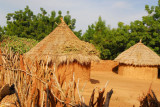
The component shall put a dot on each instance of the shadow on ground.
(94, 81)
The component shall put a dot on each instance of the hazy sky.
(85, 12)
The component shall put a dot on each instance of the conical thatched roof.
(62, 45)
(139, 55)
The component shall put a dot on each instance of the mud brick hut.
(138, 61)
(65, 52)
(104, 66)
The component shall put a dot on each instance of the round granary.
(138, 61)
(63, 50)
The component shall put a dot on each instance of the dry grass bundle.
(40, 86)
(149, 100)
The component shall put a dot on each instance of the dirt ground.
(126, 91)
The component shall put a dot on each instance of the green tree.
(26, 24)
(1, 32)
(111, 42)
(152, 24)
(98, 34)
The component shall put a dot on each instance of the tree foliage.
(111, 42)
(24, 23)
(1, 33)
(18, 44)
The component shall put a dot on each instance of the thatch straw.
(61, 46)
(139, 55)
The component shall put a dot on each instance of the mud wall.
(80, 71)
(64, 70)
(104, 65)
(138, 72)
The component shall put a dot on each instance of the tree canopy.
(24, 23)
(111, 42)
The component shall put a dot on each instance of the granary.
(65, 52)
(138, 61)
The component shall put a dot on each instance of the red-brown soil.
(126, 91)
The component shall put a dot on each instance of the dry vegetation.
(18, 44)
(39, 86)
(149, 100)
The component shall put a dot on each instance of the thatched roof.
(61, 46)
(139, 55)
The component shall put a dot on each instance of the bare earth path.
(126, 90)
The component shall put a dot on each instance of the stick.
(28, 74)
(18, 97)
(109, 94)
(59, 88)
(61, 100)
(106, 84)
(92, 99)
(78, 91)
(84, 86)
(154, 96)
(47, 103)
(43, 99)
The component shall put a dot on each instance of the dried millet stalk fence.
(39, 86)
(149, 100)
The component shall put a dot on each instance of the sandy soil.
(127, 91)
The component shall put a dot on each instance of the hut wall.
(138, 72)
(103, 65)
(159, 72)
(80, 71)
(66, 70)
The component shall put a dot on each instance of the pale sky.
(85, 12)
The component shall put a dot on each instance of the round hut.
(138, 61)
(63, 51)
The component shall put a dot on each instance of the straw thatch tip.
(62, 21)
(140, 41)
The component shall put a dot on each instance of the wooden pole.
(109, 94)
